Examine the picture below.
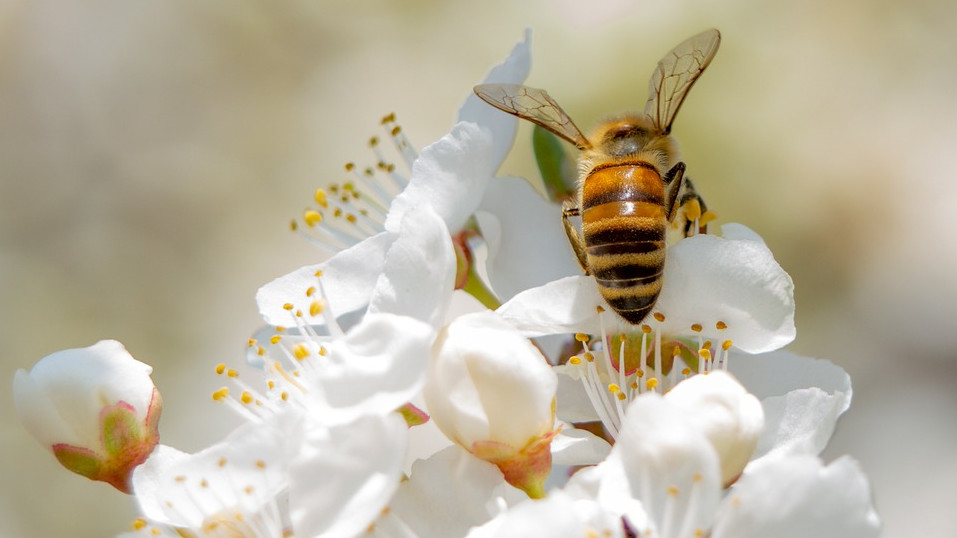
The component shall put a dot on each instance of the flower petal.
(736, 281)
(500, 125)
(802, 399)
(531, 248)
(566, 305)
(348, 279)
(573, 446)
(796, 497)
(450, 175)
(343, 477)
(418, 274)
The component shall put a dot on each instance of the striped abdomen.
(623, 228)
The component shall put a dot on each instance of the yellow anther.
(697, 478)
(293, 225)
(675, 351)
(337, 213)
(673, 491)
(298, 313)
(246, 397)
(726, 345)
(646, 328)
(686, 371)
(699, 533)
(373, 142)
(221, 462)
(599, 309)
(350, 166)
(696, 327)
(613, 388)
(251, 342)
(320, 196)
(639, 373)
(707, 344)
(260, 351)
(322, 351)
(576, 360)
(260, 464)
(351, 218)
(721, 325)
(300, 351)
(692, 209)
(349, 187)
(318, 273)
(651, 383)
(311, 217)
(315, 308)
(139, 523)
(280, 329)
(581, 337)
(310, 291)
(284, 396)
(388, 118)
(287, 306)
(221, 394)
(589, 356)
(271, 384)
(396, 130)
(232, 373)
(275, 339)
(390, 168)
(659, 316)
(621, 396)
(220, 368)
(704, 354)
(634, 385)
(707, 217)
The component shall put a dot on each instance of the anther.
(220, 368)
(388, 118)
(246, 397)
(251, 342)
(320, 196)
(287, 306)
(651, 383)
(673, 490)
(300, 351)
(705, 354)
(581, 337)
(696, 327)
(315, 308)
(275, 339)
(576, 360)
(221, 394)
(646, 329)
(721, 325)
(659, 316)
(373, 142)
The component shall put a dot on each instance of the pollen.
(246, 397)
(318, 273)
(614, 389)
(310, 291)
(311, 217)
(300, 351)
(315, 308)
(221, 394)
(275, 339)
(220, 368)
(321, 197)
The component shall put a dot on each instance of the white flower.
(719, 294)
(95, 407)
(664, 478)
(491, 392)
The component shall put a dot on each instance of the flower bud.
(726, 413)
(491, 391)
(96, 408)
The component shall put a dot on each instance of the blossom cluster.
(447, 371)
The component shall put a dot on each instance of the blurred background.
(152, 154)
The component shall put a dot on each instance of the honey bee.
(630, 175)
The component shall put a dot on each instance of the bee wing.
(534, 105)
(675, 74)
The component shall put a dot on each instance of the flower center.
(616, 369)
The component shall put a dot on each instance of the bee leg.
(673, 180)
(691, 196)
(569, 209)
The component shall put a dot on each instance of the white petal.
(450, 175)
(796, 497)
(557, 516)
(501, 126)
(532, 248)
(488, 383)
(802, 399)
(379, 366)
(343, 477)
(566, 305)
(242, 474)
(60, 399)
(660, 448)
(451, 492)
(348, 279)
(730, 417)
(578, 447)
(573, 404)
(710, 278)
(419, 271)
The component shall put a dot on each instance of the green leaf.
(556, 168)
